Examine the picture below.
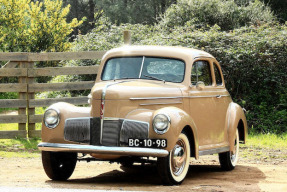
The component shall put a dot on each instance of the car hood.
(134, 89)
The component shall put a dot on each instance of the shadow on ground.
(145, 178)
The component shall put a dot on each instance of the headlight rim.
(160, 132)
(52, 126)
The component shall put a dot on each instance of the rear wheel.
(59, 165)
(173, 168)
(228, 160)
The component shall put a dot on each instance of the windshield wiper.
(155, 78)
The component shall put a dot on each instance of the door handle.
(218, 96)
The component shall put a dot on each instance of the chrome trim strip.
(151, 98)
(179, 97)
(208, 96)
(210, 91)
(125, 151)
(144, 104)
(213, 151)
(111, 118)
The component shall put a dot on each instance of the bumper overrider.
(124, 151)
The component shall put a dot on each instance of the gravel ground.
(257, 171)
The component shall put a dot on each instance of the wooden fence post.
(127, 38)
(30, 95)
(22, 95)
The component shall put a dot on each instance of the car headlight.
(161, 123)
(51, 118)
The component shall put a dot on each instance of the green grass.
(9, 127)
(19, 147)
(270, 141)
(18, 155)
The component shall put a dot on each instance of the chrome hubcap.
(178, 158)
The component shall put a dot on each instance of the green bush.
(35, 26)
(225, 13)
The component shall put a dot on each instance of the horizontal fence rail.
(27, 87)
(53, 71)
(55, 56)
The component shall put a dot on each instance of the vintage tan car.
(149, 104)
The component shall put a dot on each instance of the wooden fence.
(27, 87)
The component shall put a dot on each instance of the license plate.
(152, 143)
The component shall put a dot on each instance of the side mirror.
(200, 85)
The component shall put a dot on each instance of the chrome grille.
(133, 129)
(111, 132)
(77, 130)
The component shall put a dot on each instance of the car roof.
(163, 51)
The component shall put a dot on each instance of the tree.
(134, 11)
(118, 11)
(279, 7)
(226, 14)
(35, 26)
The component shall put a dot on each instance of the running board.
(214, 151)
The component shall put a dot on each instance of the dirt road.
(204, 175)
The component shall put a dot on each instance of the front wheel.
(59, 166)
(173, 168)
(228, 160)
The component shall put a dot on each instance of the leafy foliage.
(225, 13)
(253, 61)
(34, 27)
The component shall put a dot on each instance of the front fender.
(236, 120)
(179, 120)
(66, 110)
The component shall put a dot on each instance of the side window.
(201, 72)
(218, 78)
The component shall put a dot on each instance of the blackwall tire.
(228, 160)
(59, 166)
(173, 168)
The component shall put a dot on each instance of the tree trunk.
(91, 13)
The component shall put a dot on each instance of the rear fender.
(236, 120)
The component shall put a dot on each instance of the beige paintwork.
(213, 121)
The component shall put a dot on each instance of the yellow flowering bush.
(29, 26)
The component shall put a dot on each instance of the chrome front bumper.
(123, 151)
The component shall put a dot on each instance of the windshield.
(154, 68)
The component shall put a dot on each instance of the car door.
(208, 105)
